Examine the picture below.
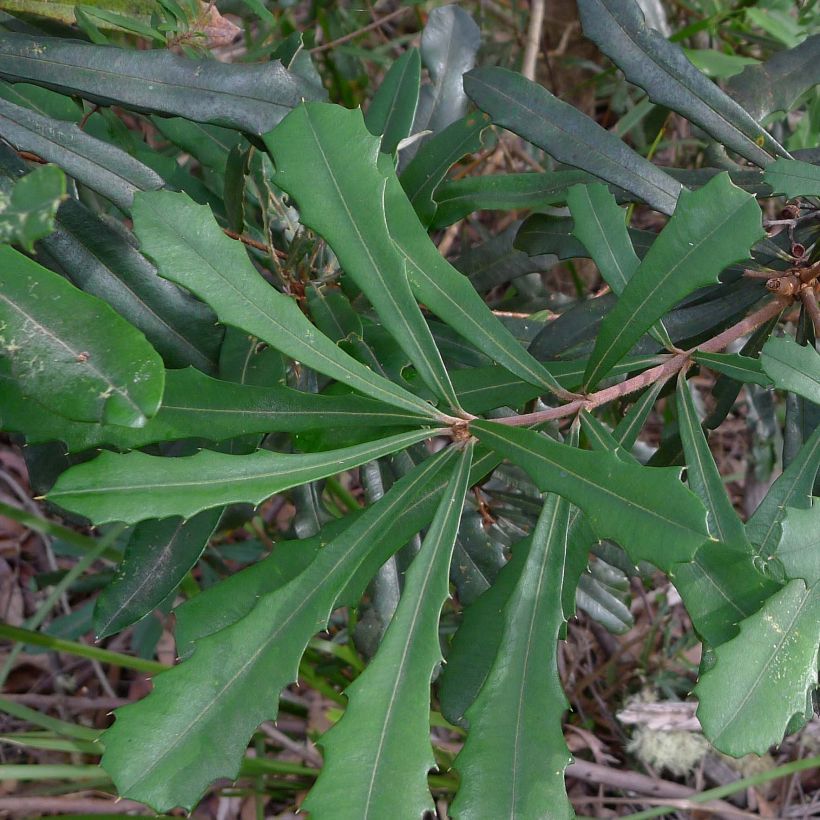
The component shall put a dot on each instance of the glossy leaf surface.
(799, 547)
(793, 367)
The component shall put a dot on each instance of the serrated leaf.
(189, 248)
(326, 160)
(793, 178)
(157, 557)
(450, 295)
(793, 367)
(28, 210)
(799, 547)
(194, 727)
(660, 67)
(793, 488)
(252, 98)
(599, 225)
(741, 368)
(763, 677)
(421, 178)
(601, 593)
(391, 112)
(134, 486)
(530, 111)
(70, 351)
(646, 510)
(517, 714)
(377, 757)
(103, 167)
(710, 229)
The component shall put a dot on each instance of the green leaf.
(799, 547)
(134, 486)
(779, 82)
(210, 145)
(157, 557)
(650, 61)
(646, 510)
(717, 64)
(70, 351)
(194, 727)
(793, 488)
(377, 757)
(517, 715)
(793, 367)
(103, 167)
(764, 676)
(710, 229)
(599, 224)
(530, 111)
(391, 112)
(741, 368)
(421, 178)
(189, 248)
(326, 160)
(252, 98)
(27, 212)
(793, 178)
(450, 295)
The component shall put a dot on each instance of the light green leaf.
(391, 112)
(646, 510)
(189, 248)
(70, 351)
(194, 727)
(660, 67)
(134, 486)
(326, 160)
(718, 64)
(741, 368)
(377, 757)
(799, 547)
(793, 366)
(793, 178)
(517, 715)
(530, 111)
(450, 295)
(599, 224)
(103, 167)
(247, 97)
(157, 557)
(27, 212)
(710, 229)
(792, 488)
(764, 676)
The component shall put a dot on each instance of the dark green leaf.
(530, 111)
(28, 210)
(793, 367)
(650, 61)
(391, 112)
(793, 178)
(799, 547)
(70, 351)
(736, 366)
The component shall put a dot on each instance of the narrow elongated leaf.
(600, 226)
(793, 178)
(377, 757)
(799, 547)
(661, 68)
(252, 98)
(134, 486)
(741, 368)
(711, 228)
(427, 169)
(391, 112)
(103, 167)
(70, 351)
(28, 210)
(793, 488)
(764, 676)
(195, 725)
(646, 510)
(326, 159)
(450, 295)
(157, 557)
(189, 248)
(530, 111)
(793, 367)
(517, 715)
